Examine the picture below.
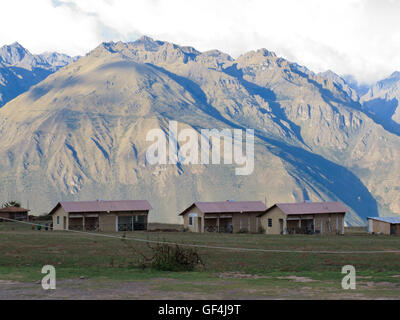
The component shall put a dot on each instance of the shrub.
(168, 257)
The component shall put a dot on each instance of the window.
(191, 221)
(132, 223)
(58, 219)
(269, 223)
(125, 223)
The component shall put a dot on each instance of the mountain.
(382, 102)
(20, 70)
(81, 132)
(342, 84)
(360, 88)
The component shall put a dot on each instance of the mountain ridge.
(86, 125)
(20, 69)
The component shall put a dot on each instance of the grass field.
(91, 267)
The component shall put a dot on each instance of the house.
(384, 225)
(99, 215)
(224, 217)
(14, 213)
(304, 218)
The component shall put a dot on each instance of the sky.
(356, 37)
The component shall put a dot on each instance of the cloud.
(359, 37)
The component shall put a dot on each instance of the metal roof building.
(223, 216)
(14, 213)
(304, 218)
(100, 215)
(384, 225)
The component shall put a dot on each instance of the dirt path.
(171, 289)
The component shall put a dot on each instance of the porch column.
(314, 224)
(329, 224)
(343, 225)
(218, 224)
(285, 225)
(337, 224)
(83, 222)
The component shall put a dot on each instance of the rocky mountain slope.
(382, 102)
(20, 70)
(81, 133)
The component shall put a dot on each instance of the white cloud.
(360, 37)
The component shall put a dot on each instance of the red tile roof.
(228, 207)
(311, 208)
(104, 206)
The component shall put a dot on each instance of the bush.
(243, 230)
(168, 257)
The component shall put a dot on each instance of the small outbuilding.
(99, 215)
(304, 218)
(384, 225)
(223, 217)
(14, 213)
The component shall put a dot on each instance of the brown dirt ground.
(87, 289)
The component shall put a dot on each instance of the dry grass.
(23, 252)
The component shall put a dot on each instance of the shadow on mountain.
(382, 111)
(326, 94)
(70, 117)
(378, 110)
(194, 89)
(332, 179)
(38, 92)
(43, 89)
(33, 76)
(270, 97)
(123, 65)
(335, 180)
(20, 80)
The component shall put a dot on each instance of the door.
(370, 228)
(392, 229)
(65, 223)
(280, 226)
